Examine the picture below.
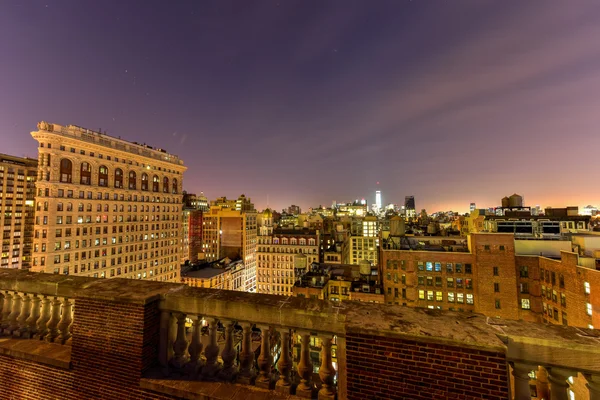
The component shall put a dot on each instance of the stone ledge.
(195, 390)
(38, 351)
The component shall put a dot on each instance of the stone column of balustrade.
(326, 370)
(54, 321)
(247, 372)
(593, 385)
(229, 353)
(195, 348)
(521, 377)
(6, 310)
(558, 382)
(180, 345)
(265, 360)
(23, 316)
(14, 315)
(211, 352)
(66, 319)
(42, 323)
(34, 315)
(284, 365)
(305, 388)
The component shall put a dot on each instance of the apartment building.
(106, 207)
(280, 254)
(489, 277)
(229, 230)
(17, 194)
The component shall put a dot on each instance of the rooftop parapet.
(142, 338)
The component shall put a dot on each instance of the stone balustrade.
(39, 316)
(266, 344)
(80, 338)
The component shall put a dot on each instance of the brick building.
(489, 278)
(229, 230)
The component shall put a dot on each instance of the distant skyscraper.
(378, 199)
(472, 207)
(409, 206)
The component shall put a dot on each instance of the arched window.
(144, 181)
(165, 185)
(102, 176)
(118, 178)
(86, 174)
(66, 170)
(174, 186)
(155, 183)
(132, 180)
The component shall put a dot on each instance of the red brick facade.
(391, 368)
(491, 279)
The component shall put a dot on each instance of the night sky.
(305, 102)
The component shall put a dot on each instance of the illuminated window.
(86, 174)
(450, 297)
(165, 185)
(132, 180)
(155, 183)
(118, 178)
(102, 176)
(588, 307)
(525, 305)
(586, 287)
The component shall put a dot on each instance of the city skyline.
(306, 103)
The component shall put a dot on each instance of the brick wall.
(390, 368)
(113, 343)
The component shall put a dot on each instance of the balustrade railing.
(209, 348)
(36, 316)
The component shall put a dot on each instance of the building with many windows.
(280, 254)
(490, 277)
(17, 193)
(231, 232)
(106, 207)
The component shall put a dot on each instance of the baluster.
(211, 352)
(14, 315)
(6, 310)
(22, 320)
(181, 344)
(42, 322)
(53, 322)
(558, 383)
(264, 359)
(195, 348)
(229, 354)
(284, 365)
(247, 372)
(326, 371)
(305, 368)
(65, 321)
(521, 378)
(34, 315)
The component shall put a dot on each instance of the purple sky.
(313, 101)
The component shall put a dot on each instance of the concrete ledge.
(194, 390)
(37, 351)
